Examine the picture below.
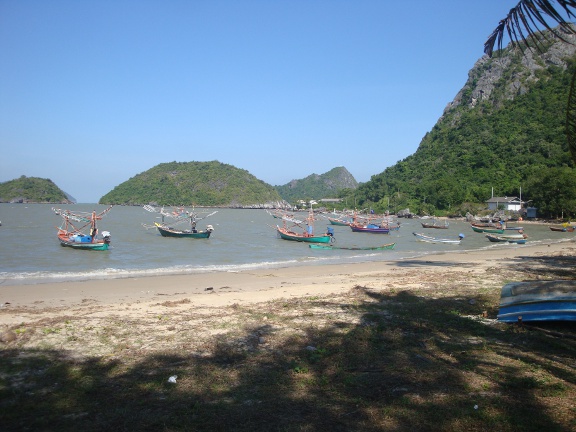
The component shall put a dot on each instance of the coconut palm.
(522, 24)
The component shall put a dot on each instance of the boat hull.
(338, 222)
(429, 239)
(487, 230)
(538, 301)
(165, 232)
(289, 235)
(562, 228)
(425, 225)
(98, 246)
(505, 239)
(327, 247)
(356, 228)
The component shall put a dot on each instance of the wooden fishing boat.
(339, 222)
(166, 231)
(506, 239)
(307, 234)
(538, 301)
(288, 234)
(489, 230)
(370, 228)
(513, 228)
(330, 246)
(486, 224)
(182, 222)
(72, 231)
(435, 225)
(562, 228)
(429, 239)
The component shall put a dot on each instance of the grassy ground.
(417, 351)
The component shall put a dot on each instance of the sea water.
(30, 252)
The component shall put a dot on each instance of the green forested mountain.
(503, 131)
(32, 190)
(193, 183)
(327, 185)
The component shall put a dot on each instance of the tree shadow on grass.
(406, 363)
(547, 267)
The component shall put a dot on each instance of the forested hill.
(504, 130)
(315, 186)
(33, 190)
(194, 183)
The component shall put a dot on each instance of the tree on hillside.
(522, 23)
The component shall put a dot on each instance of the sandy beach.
(271, 349)
(134, 297)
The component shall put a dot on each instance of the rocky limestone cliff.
(511, 70)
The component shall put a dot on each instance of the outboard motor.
(209, 228)
(106, 236)
(330, 231)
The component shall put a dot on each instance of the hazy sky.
(94, 92)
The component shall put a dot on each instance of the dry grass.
(417, 351)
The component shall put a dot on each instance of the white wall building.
(509, 203)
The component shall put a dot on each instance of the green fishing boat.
(307, 235)
(72, 231)
(487, 230)
(179, 216)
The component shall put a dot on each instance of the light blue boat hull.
(538, 301)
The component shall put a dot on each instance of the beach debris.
(172, 379)
(475, 407)
(311, 348)
(208, 289)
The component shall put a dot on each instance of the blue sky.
(94, 92)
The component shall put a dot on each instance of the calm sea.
(242, 239)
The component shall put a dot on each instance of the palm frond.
(527, 18)
(571, 119)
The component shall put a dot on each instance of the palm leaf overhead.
(522, 23)
(527, 18)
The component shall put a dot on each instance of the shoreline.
(133, 296)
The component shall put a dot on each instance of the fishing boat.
(166, 231)
(489, 230)
(486, 224)
(429, 239)
(538, 301)
(182, 222)
(513, 228)
(339, 221)
(307, 234)
(329, 246)
(507, 238)
(434, 224)
(562, 228)
(370, 228)
(370, 225)
(279, 214)
(79, 230)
